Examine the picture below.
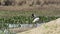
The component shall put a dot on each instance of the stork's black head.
(32, 15)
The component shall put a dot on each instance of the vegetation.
(24, 17)
(22, 20)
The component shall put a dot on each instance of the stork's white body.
(36, 19)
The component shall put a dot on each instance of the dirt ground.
(52, 27)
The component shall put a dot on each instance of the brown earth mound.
(52, 27)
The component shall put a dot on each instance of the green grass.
(23, 17)
(28, 13)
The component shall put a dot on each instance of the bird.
(35, 18)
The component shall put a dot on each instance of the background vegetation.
(24, 17)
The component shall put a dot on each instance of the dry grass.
(52, 27)
(29, 12)
(34, 7)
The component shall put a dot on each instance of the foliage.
(22, 20)
(25, 20)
